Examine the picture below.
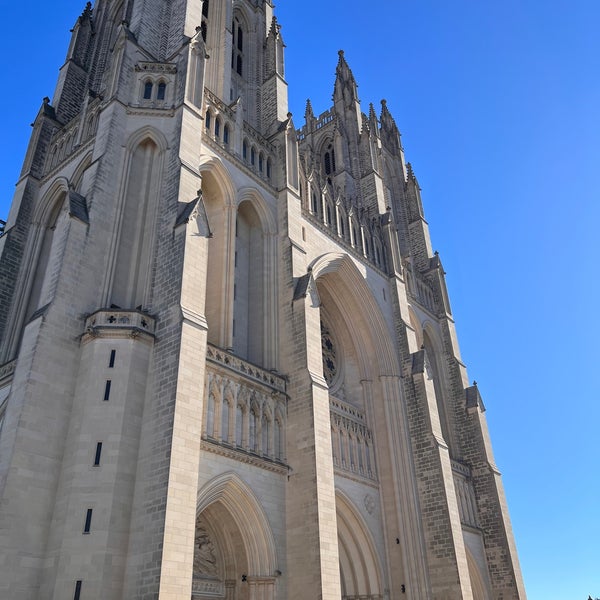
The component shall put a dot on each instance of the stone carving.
(205, 561)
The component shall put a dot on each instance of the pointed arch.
(353, 297)
(477, 580)
(130, 285)
(435, 353)
(246, 511)
(39, 271)
(77, 177)
(360, 567)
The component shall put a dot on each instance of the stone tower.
(228, 363)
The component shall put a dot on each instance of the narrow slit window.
(217, 128)
(245, 150)
(88, 521)
(207, 120)
(252, 156)
(111, 360)
(98, 454)
(226, 134)
(77, 594)
(107, 390)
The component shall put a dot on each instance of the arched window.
(148, 90)
(268, 168)
(314, 204)
(252, 155)
(253, 430)
(237, 52)
(210, 415)
(225, 422)
(245, 150)
(260, 162)
(278, 441)
(133, 260)
(217, 127)
(226, 135)
(329, 160)
(207, 120)
(239, 426)
(162, 88)
(249, 299)
(264, 427)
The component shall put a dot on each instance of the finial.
(474, 383)
(46, 100)
(341, 53)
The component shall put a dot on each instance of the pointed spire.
(345, 88)
(373, 122)
(86, 15)
(390, 134)
(308, 113)
(387, 121)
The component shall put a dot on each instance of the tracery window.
(148, 90)
(237, 52)
(329, 160)
(330, 365)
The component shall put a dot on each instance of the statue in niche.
(205, 561)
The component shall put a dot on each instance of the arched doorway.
(234, 550)
(359, 567)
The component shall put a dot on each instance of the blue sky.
(498, 104)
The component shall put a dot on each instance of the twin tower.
(228, 363)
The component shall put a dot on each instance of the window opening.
(162, 88)
(207, 120)
(237, 51)
(226, 134)
(217, 128)
(148, 90)
(111, 361)
(88, 521)
(98, 454)
(77, 594)
(107, 390)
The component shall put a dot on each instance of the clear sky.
(498, 104)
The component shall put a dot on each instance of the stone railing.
(118, 322)
(245, 410)
(352, 441)
(248, 146)
(70, 138)
(244, 368)
(465, 494)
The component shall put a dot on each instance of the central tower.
(228, 363)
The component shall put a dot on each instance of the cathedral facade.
(228, 362)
